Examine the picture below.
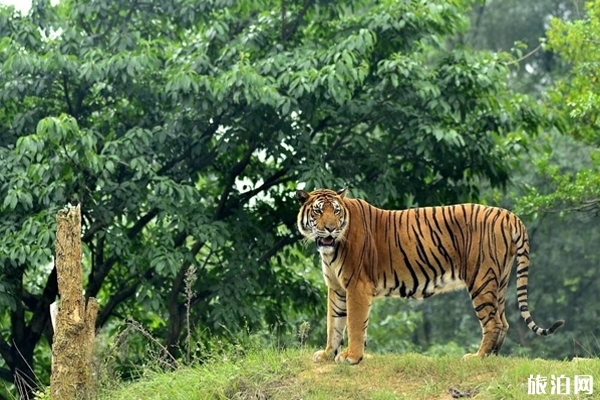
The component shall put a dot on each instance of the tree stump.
(73, 341)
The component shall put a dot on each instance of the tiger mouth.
(325, 241)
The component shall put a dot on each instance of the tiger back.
(367, 252)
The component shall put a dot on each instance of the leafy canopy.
(183, 126)
(577, 99)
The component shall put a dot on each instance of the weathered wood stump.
(74, 333)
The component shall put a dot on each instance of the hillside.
(290, 374)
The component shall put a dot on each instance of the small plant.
(303, 331)
(190, 279)
(163, 358)
(26, 386)
(42, 394)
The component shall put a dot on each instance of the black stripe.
(402, 290)
(422, 253)
(450, 233)
(341, 296)
(407, 262)
(336, 248)
(484, 305)
(396, 280)
(483, 286)
(522, 271)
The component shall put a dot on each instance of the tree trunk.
(73, 342)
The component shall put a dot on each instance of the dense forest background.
(183, 128)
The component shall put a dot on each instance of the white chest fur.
(331, 268)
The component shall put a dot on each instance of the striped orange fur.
(367, 252)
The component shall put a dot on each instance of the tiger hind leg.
(504, 330)
(502, 289)
(485, 302)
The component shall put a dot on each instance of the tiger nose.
(330, 228)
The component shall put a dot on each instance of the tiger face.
(323, 217)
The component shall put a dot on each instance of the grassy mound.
(291, 374)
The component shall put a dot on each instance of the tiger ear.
(302, 196)
(342, 192)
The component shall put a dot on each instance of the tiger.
(367, 253)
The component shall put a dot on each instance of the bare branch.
(30, 300)
(141, 223)
(585, 206)
(98, 275)
(280, 244)
(89, 233)
(235, 172)
(532, 52)
(120, 296)
(320, 126)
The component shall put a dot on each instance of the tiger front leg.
(336, 325)
(359, 305)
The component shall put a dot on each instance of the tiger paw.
(348, 358)
(322, 355)
(471, 355)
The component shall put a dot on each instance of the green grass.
(291, 374)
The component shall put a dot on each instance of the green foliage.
(520, 27)
(576, 99)
(182, 127)
(565, 191)
(577, 95)
(392, 326)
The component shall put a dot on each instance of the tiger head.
(323, 217)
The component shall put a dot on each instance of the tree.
(576, 99)
(182, 127)
(74, 322)
(520, 27)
